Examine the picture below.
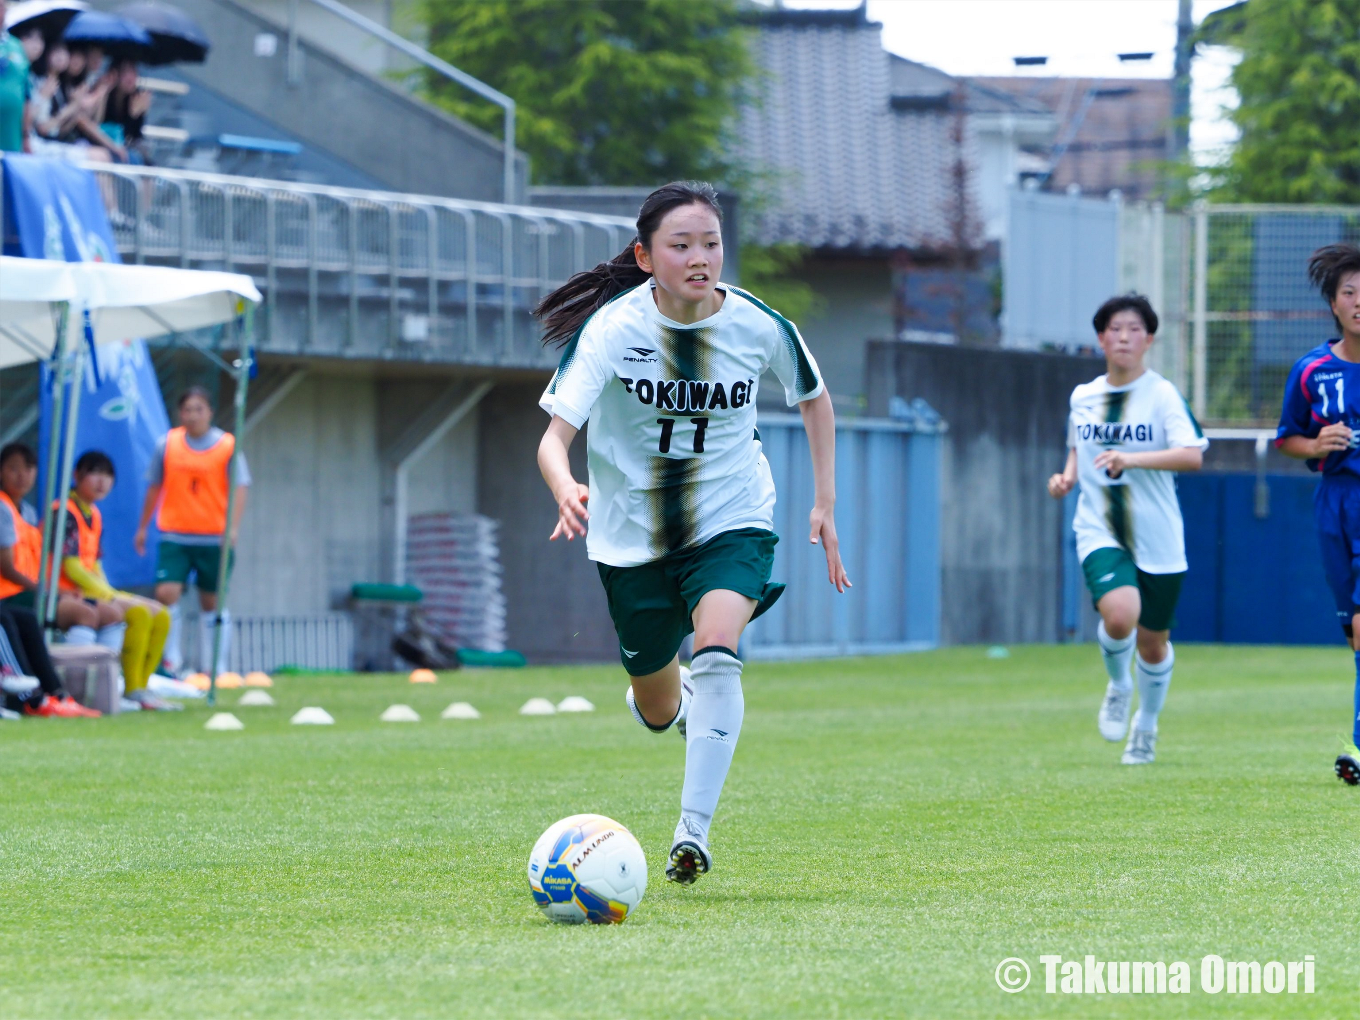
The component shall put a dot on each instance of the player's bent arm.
(91, 583)
(12, 573)
(237, 512)
(1178, 458)
(569, 495)
(1330, 439)
(819, 420)
(1064, 481)
(153, 493)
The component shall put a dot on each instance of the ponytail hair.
(566, 309)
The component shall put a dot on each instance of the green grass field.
(892, 829)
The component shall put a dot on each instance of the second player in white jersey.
(1136, 509)
(674, 454)
(1128, 432)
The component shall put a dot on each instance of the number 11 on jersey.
(668, 430)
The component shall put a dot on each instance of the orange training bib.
(89, 535)
(27, 549)
(194, 486)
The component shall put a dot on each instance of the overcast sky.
(1079, 37)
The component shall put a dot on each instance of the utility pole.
(1180, 102)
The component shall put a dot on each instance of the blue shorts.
(1336, 508)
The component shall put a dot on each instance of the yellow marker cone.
(258, 679)
(228, 681)
(423, 676)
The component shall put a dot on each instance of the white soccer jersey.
(673, 450)
(1137, 511)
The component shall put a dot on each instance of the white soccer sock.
(679, 714)
(174, 649)
(111, 636)
(713, 726)
(1118, 656)
(80, 635)
(1153, 682)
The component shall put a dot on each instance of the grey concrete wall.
(364, 121)
(556, 610)
(856, 298)
(312, 524)
(315, 521)
(1001, 533)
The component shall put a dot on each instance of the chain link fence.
(1252, 310)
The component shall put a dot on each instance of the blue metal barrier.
(1252, 580)
(888, 520)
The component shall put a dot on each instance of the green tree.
(1299, 115)
(770, 273)
(607, 91)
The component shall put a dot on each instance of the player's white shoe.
(1141, 748)
(1113, 718)
(689, 857)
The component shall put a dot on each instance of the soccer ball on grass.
(587, 868)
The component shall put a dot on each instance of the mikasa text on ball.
(587, 868)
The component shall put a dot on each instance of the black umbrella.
(116, 36)
(50, 17)
(175, 36)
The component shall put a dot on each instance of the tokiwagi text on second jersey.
(673, 451)
(1136, 510)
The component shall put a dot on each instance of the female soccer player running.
(664, 362)
(1317, 424)
(1128, 430)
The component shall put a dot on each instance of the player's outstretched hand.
(1333, 438)
(1059, 485)
(571, 513)
(824, 530)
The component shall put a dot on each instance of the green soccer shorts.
(1108, 569)
(652, 605)
(176, 561)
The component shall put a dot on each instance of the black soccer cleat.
(1348, 768)
(689, 860)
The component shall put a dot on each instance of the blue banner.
(55, 210)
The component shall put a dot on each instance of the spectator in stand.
(55, 119)
(14, 110)
(85, 89)
(126, 109)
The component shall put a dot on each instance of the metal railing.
(421, 56)
(365, 274)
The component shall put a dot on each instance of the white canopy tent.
(122, 302)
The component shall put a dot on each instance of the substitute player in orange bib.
(188, 492)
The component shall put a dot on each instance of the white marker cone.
(224, 721)
(400, 713)
(460, 710)
(538, 706)
(255, 698)
(312, 717)
(575, 703)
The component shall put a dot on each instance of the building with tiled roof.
(1113, 133)
(892, 173)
